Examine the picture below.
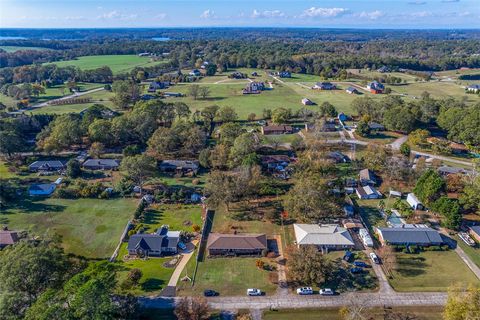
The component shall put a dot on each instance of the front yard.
(88, 227)
(228, 276)
(430, 271)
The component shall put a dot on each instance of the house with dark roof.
(368, 192)
(475, 88)
(49, 165)
(41, 189)
(338, 157)
(8, 237)
(284, 74)
(159, 243)
(351, 90)
(158, 85)
(101, 164)
(325, 237)
(324, 86)
(367, 177)
(409, 234)
(375, 87)
(195, 73)
(254, 87)
(474, 231)
(179, 166)
(376, 126)
(276, 129)
(219, 244)
(383, 69)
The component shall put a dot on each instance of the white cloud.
(115, 15)
(208, 14)
(324, 12)
(373, 15)
(267, 14)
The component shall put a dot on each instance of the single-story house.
(219, 244)
(179, 166)
(383, 69)
(275, 160)
(41, 189)
(351, 90)
(323, 126)
(446, 170)
(50, 165)
(324, 86)
(279, 129)
(157, 85)
(366, 238)
(8, 237)
(154, 244)
(367, 177)
(172, 94)
(409, 234)
(338, 157)
(254, 87)
(367, 192)
(195, 73)
(474, 231)
(307, 102)
(375, 87)
(101, 164)
(376, 126)
(475, 88)
(324, 237)
(284, 74)
(458, 148)
(414, 203)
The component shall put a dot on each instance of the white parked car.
(254, 292)
(374, 258)
(305, 290)
(326, 292)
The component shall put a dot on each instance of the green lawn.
(420, 313)
(430, 271)
(472, 252)
(155, 276)
(8, 101)
(118, 63)
(18, 48)
(177, 216)
(89, 227)
(436, 89)
(228, 276)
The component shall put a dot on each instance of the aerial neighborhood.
(224, 164)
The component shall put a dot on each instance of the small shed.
(394, 193)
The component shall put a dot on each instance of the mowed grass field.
(89, 227)
(431, 271)
(419, 313)
(118, 63)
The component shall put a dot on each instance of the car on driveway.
(305, 291)
(254, 292)
(326, 292)
(361, 264)
(356, 270)
(182, 245)
(374, 258)
(210, 293)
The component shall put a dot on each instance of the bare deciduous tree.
(192, 308)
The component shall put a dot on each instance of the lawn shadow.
(411, 266)
(32, 206)
(152, 284)
(153, 216)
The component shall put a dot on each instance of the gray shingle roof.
(184, 164)
(101, 163)
(410, 234)
(45, 165)
(322, 234)
(145, 242)
(237, 241)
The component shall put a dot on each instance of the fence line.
(207, 227)
(124, 234)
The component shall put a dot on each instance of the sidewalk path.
(178, 270)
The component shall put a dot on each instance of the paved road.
(466, 163)
(376, 299)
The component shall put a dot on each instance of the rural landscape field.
(240, 161)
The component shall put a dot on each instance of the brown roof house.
(475, 232)
(8, 237)
(219, 244)
(280, 129)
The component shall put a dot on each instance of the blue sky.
(204, 13)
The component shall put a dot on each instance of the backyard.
(430, 271)
(88, 227)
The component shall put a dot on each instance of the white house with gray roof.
(325, 237)
(409, 234)
(101, 164)
(49, 165)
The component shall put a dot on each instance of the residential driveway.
(181, 265)
(377, 299)
(398, 142)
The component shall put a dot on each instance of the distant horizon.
(357, 14)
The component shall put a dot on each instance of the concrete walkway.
(179, 268)
(475, 269)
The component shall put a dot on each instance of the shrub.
(196, 228)
(260, 264)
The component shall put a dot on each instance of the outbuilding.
(414, 203)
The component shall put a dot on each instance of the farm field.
(430, 271)
(420, 313)
(436, 89)
(117, 63)
(89, 227)
(18, 48)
